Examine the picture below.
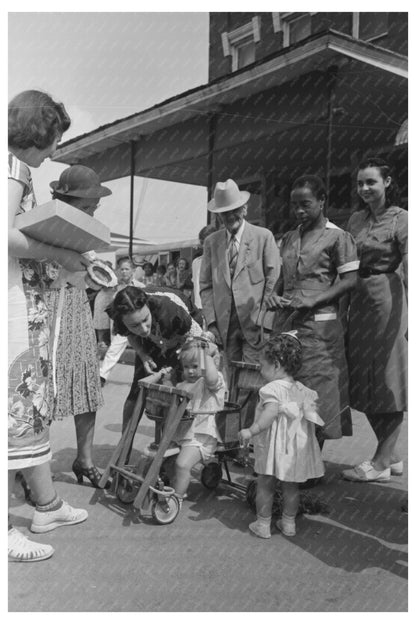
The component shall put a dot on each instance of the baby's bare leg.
(187, 459)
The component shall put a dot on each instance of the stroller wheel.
(251, 495)
(126, 491)
(165, 511)
(211, 475)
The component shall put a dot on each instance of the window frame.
(235, 39)
(355, 31)
(287, 20)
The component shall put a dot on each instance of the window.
(369, 26)
(295, 26)
(240, 44)
(164, 258)
(245, 53)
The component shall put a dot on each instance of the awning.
(107, 149)
(402, 135)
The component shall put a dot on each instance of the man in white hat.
(238, 273)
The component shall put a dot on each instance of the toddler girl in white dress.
(285, 446)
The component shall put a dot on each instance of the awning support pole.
(212, 121)
(332, 78)
(132, 170)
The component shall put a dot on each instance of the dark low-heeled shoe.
(92, 473)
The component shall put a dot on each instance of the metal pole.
(332, 77)
(132, 169)
(212, 120)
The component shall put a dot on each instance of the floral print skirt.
(76, 363)
(29, 411)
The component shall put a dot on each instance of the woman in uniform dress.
(377, 328)
(319, 264)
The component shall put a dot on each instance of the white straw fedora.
(227, 196)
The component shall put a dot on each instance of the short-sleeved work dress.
(306, 270)
(377, 342)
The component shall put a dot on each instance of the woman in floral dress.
(75, 357)
(36, 124)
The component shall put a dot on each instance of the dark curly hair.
(285, 350)
(35, 120)
(314, 183)
(386, 170)
(126, 301)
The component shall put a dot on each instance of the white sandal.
(22, 549)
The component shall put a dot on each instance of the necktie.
(232, 255)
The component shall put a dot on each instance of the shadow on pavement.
(365, 527)
(225, 505)
(341, 546)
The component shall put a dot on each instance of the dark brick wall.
(272, 42)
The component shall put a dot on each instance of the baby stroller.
(141, 484)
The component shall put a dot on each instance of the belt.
(306, 284)
(367, 272)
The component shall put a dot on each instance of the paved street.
(353, 559)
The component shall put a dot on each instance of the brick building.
(288, 93)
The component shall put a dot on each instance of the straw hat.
(227, 196)
(79, 181)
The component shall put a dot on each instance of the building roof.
(316, 52)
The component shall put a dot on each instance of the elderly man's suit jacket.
(255, 276)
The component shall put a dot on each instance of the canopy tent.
(140, 249)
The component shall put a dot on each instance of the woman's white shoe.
(22, 549)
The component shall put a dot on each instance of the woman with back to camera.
(76, 367)
(377, 327)
(36, 124)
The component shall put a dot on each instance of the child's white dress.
(289, 449)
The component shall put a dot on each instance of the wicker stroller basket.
(159, 399)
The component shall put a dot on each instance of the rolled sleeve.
(349, 266)
(346, 258)
(401, 232)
